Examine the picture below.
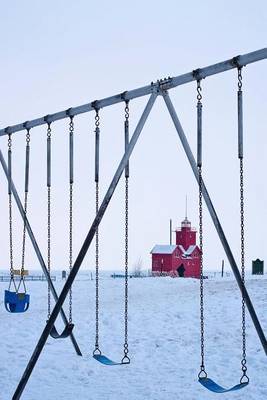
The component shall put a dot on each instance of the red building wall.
(162, 262)
(191, 265)
(192, 268)
(169, 263)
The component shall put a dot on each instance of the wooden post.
(222, 267)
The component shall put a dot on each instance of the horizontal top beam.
(165, 84)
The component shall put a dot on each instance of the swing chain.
(244, 377)
(48, 234)
(126, 358)
(71, 131)
(28, 139)
(243, 361)
(202, 373)
(10, 216)
(97, 351)
(126, 348)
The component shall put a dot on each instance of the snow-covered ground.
(163, 336)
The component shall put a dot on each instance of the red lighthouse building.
(181, 259)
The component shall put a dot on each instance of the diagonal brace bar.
(215, 220)
(37, 250)
(43, 338)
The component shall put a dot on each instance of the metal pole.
(240, 122)
(216, 221)
(165, 84)
(43, 338)
(37, 250)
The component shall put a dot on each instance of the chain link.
(28, 136)
(49, 130)
(97, 118)
(127, 111)
(9, 142)
(239, 84)
(199, 89)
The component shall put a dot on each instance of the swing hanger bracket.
(95, 105)
(162, 85)
(25, 125)
(47, 119)
(124, 96)
(197, 74)
(236, 62)
(7, 130)
(69, 113)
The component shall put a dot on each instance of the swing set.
(18, 300)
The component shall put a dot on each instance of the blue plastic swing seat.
(16, 302)
(107, 361)
(214, 387)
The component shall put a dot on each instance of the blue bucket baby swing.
(16, 299)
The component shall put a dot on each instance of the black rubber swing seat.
(107, 361)
(214, 387)
(66, 332)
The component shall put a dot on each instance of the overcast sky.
(58, 54)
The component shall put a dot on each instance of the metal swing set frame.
(155, 89)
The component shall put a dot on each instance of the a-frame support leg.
(37, 251)
(215, 220)
(43, 338)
